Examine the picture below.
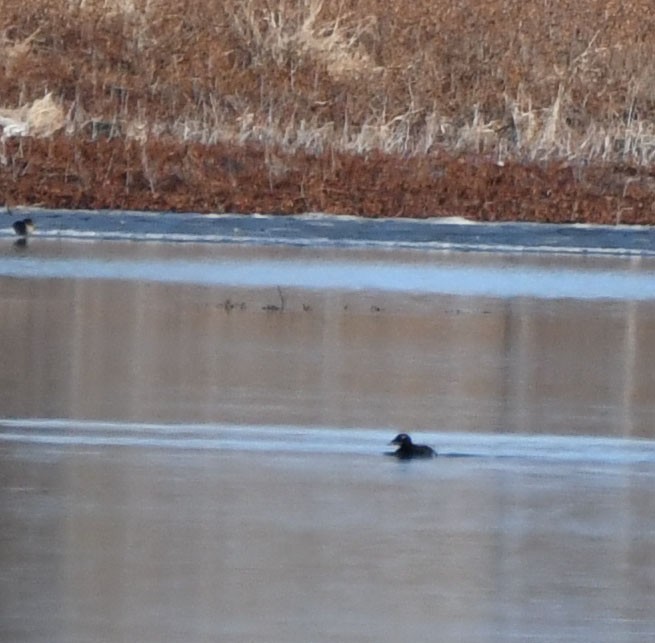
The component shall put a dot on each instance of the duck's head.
(402, 440)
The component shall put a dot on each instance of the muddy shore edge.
(166, 175)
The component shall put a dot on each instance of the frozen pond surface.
(192, 434)
(321, 231)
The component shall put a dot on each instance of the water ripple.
(314, 440)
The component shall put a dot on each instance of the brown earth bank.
(495, 110)
(166, 175)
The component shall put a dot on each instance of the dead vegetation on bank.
(541, 110)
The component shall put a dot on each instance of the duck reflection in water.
(407, 449)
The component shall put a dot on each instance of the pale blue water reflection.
(488, 449)
(453, 273)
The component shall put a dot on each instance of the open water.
(194, 414)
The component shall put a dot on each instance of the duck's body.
(407, 449)
(24, 227)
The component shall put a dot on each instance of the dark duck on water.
(407, 449)
(23, 228)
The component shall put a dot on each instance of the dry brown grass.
(504, 84)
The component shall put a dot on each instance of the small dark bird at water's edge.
(24, 227)
(407, 449)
